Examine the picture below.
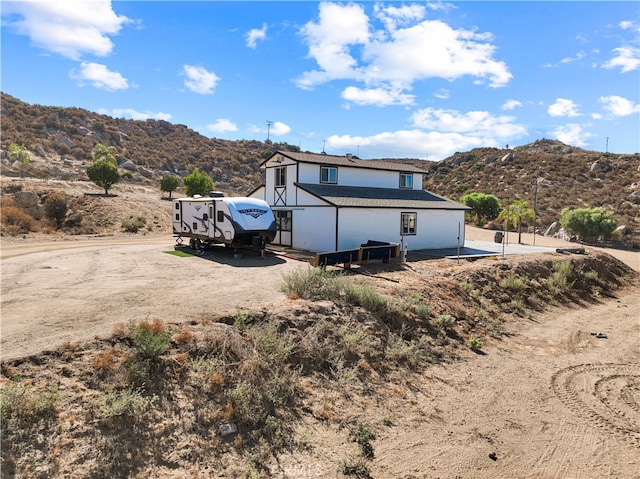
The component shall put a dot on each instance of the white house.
(328, 203)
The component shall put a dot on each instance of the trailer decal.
(254, 212)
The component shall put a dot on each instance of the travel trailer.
(236, 222)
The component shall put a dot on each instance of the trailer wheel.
(192, 243)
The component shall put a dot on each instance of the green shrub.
(128, 403)
(364, 295)
(151, 339)
(445, 320)
(513, 283)
(560, 280)
(312, 283)
(474, 343)
(133, 224)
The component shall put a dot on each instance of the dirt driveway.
(74, 290)
(59, 289)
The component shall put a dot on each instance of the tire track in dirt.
(605, 395)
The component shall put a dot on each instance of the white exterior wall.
(269, 182)
(434, 228)
(310, 173)
(314, 229)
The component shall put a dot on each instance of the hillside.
(60, 142)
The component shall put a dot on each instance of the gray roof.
(347, 161)
(365, 197)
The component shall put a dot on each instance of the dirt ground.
(548, 400)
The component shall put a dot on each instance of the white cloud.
(256, 34)
(222, 125)
(345, 45)
(70, 28)
(563, 107)
(442, 94)
(579, 56)
(132, 114)
(511, 104)
(627, 24)
(627, 59)
(99, 76)
(473, 123)
(431, 145)
(572, 134)
(619, 106)
(376, 96)
(392, 17)
(199, 80)
(278, 128)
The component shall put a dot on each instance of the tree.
(169, 183)
(105, 153)
(19, 153)
(198, 183)
(483, 206)
(516, 213)
(103, 173)
(588, 223)
(104, 169)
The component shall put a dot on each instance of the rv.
(236, 222)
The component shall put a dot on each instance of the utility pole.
(323, 152)
(269, 123)
(535, 209)
(606, 151)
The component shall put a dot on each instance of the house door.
(284, 223)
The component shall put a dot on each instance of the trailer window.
(205, 217)
(220, 216)
(195, 226)
(177, 206)
(177, 216)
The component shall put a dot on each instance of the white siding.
(435, 228)
(314, 229)
(310, 173)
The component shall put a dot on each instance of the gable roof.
(349, 161)
(366, 197)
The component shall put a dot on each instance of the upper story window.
(281, 175)
(406, 180)
(328, 174)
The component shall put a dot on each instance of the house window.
(406, 180)
(408, 223)
(281, 175)
(328, 174)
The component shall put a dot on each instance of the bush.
(126, 403)
(134, 224)
(16, 220)
(559, 282)
(150, 339)
(55, 208)
(445, 320)
(513, 283)
(474, 343)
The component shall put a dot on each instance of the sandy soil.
(548, 400)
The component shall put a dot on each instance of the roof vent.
(216, 194)
(349, 156)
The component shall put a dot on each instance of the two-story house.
(328, 203)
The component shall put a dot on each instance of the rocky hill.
(548, 174)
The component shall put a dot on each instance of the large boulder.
(599, 167)
(29, 202)
(508, 157)
(128, 165)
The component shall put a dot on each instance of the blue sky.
(376, 79)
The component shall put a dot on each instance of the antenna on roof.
(323, 142)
